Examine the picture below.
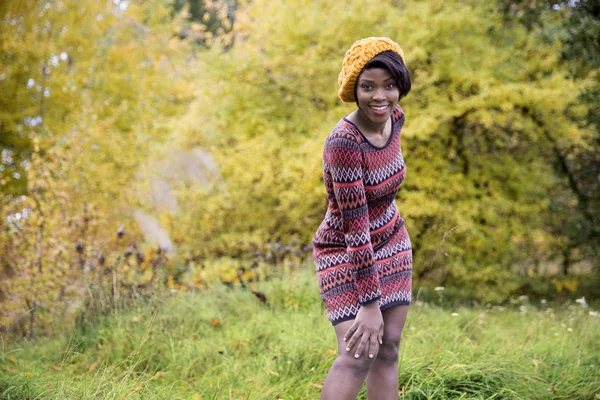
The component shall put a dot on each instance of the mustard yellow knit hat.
(361, 52)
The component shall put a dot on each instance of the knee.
(358, 367)
(388, 352)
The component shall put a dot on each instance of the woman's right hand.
(367, 330)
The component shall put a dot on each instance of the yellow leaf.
(93, 367)
(329, 352)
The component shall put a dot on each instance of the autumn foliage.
(148, 145)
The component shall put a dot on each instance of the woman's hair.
(391, 61)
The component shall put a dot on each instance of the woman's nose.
(379, 94)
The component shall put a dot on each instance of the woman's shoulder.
(398, 119)
(398, 114)
(344, 132)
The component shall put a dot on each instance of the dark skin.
(375, 90)
(368, 345)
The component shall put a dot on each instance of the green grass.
(225, 344)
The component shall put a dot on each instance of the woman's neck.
(366, 126)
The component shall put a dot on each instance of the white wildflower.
(439, 288)
(454, 314)
(582, 302)
(53, 60)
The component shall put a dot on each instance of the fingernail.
(347, 348)
(370, 355)
(344, 339)
(356, 356)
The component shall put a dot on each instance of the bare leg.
(382, 380)
(347, 373)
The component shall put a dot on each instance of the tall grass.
(224, 343)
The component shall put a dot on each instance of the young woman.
(362, 251)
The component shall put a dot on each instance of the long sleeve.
(343, 163)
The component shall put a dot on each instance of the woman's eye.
(391, 86)
(366, 87)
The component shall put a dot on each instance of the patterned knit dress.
(361, 250)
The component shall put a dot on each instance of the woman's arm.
(343, 162)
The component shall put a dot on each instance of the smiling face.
(377, 95)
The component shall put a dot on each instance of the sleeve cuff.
(371, 300)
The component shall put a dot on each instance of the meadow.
(160, 160)
(225, 343)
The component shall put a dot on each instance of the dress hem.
(384, 307)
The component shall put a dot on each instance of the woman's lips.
(379, 110)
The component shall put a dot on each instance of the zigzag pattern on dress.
(385, 218)
(382, 201)
(386, 187)
(398, 243)
(394, 277)
(361, 258)
(328, 261)
(356, 239)
(362, 251)
(400, 297)
(343, 313)
(342, 290)
(369, 295)
(334, 221)
(374, 177)
(336, 281)
(355, 213)
(399, 288)
(345, 174)
(342, 130)
(331, 237)
(353, 196)
(359, 224)
(392, 265)
(393, 249)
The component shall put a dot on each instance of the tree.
(482, 124)
(92, 88)
(574, 26)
